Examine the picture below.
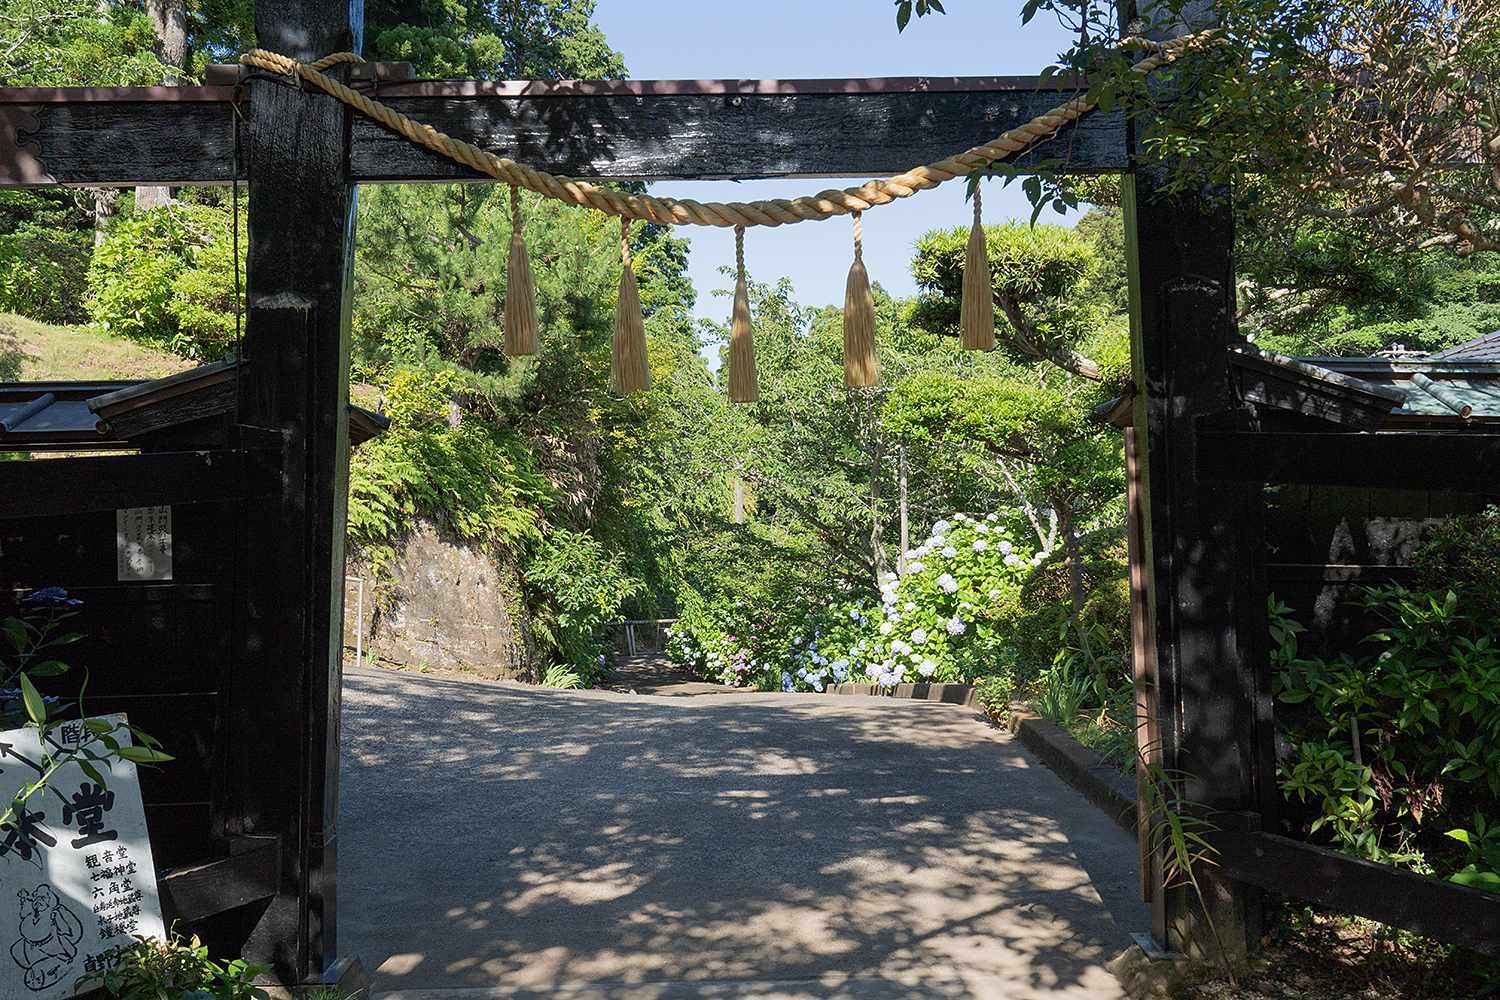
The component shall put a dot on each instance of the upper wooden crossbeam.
(609, 130)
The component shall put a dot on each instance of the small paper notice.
(143, 537)
(75, 865)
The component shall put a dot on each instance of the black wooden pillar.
(1203, 541)
(282, 718)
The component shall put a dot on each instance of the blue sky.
(784, 40)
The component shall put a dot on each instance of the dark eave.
(206, 391)
(365, 424)
(1312, 391)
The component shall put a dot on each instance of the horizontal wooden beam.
(1467, 463)
(45, 487)
(1445, 911)
(250, 874)
(612, 130)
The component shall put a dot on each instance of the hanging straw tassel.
(861, 364)
(520, 297)
(744, 387)
(629, 369)
(978, 311)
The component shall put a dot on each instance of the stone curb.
(951, 694)
(1104, 786)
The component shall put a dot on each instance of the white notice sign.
(84, 882)
(143, 543)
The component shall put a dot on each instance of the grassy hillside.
(34, 352)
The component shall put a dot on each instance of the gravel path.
(498, 840)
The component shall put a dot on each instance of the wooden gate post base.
(1229, 931)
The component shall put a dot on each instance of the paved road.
(503, 841)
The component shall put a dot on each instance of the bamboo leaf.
(144, 755)
(36, 708)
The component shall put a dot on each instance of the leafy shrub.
(1396, 752)
(575, 590)
(1464, 553)
(941, 620)
(45, 243)
(165, 278)
(152, 969)
(732, 640)
(1043, 609)
(42, 274)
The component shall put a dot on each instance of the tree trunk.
(1074, 556)
(169, 20)
(1025, 337)
(905, 524)
(104, 210)
(877, 545)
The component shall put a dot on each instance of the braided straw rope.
(680, 212)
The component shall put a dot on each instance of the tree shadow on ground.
(12, 354)
(495, 835)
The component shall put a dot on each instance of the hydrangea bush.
(729, 641)
(939, 620)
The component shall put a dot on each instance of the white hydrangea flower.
(1012, 560)
(948, 584)
(914, 567)
(934, 541)
(994, 595)
(919, 635)
(1005, 547)
(981, 545)
(926, 668)
(956, 626)
(982, 528)
(992, 517)
(885, 628)
(910, 606)
(950, 552)
(940, 527)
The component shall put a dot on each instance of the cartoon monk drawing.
(49, 938)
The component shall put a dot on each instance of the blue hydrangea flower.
(50, 595)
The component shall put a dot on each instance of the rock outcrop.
(447, 605)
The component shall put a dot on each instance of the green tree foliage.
(1426, 301)
(579, 587)
(626, 472)
(1035, 272)
(61, 43)
(165, 278)
(497, 40)
(1361, 111)
(810, 451)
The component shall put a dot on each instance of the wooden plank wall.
(1325, 544)
(152, 650)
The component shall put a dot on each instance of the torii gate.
(274, 742)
